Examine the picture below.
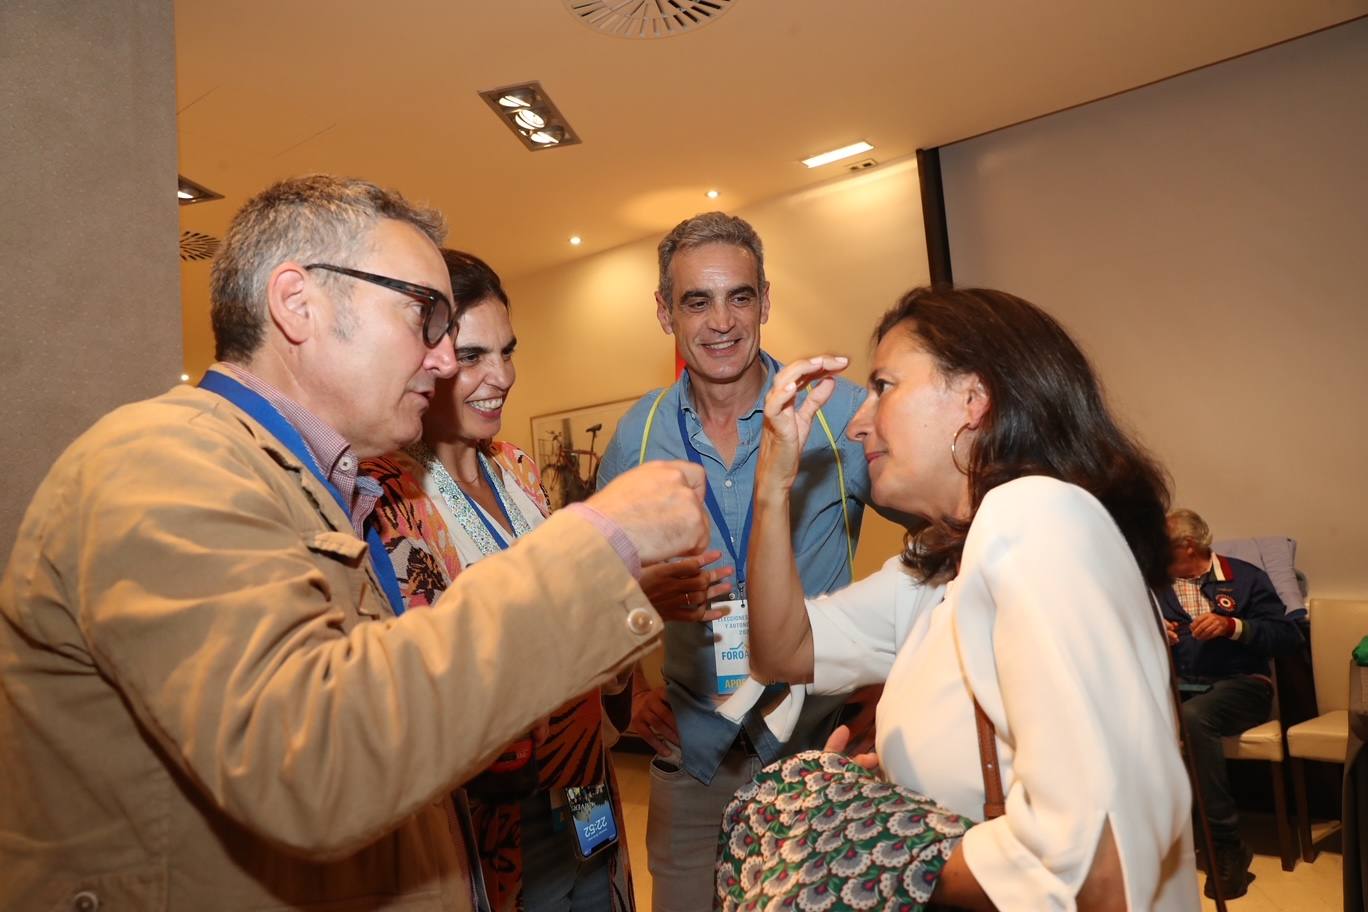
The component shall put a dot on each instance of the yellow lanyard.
(831, 440)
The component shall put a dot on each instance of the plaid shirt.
(329, 449)
(1192, 600)
(1190, 596)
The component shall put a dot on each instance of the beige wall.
(836, 257)
(88, 280)
(1206, 239)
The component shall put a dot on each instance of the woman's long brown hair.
(1046, 416)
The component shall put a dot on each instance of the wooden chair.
(1267, 742)
(1337, 625)
(1276, 556)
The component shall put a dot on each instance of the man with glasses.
(210, 696)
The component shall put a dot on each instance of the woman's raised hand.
(788, 424)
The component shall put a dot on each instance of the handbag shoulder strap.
(993, 801)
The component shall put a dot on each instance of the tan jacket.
(206, 703)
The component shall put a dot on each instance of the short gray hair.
(1186, 525)
(314, 218)
(708, 228)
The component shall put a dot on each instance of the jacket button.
(85, 901)
(640, 622)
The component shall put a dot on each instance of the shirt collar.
(325, 444)
(1213, 571)
(1217, 569)
(686, 388)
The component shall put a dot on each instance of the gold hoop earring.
(954, 441)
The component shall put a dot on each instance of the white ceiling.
(387, 91)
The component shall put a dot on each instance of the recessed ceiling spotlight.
(712, 194)
(188, 192)
(551, 136)
(827, 158)
(185, 378)
(529, 119)
(576, 240)
(532, 116)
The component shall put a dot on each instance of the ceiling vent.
(196, 246)
(646, 18)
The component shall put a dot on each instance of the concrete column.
(89, 281)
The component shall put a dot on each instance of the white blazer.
(1049, 624)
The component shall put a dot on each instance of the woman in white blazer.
(1037, 526)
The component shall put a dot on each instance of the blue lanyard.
(711, 500)
(265, 414)
(494, 531)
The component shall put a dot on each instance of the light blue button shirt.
(819, 547)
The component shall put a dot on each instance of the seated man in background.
(1224, 621)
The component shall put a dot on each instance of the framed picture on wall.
(568, 446)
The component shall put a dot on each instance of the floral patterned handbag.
(818, 832)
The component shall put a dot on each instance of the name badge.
(731, 649)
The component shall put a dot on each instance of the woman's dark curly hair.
(472, 280)
(1046, 416)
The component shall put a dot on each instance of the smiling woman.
(448, 501)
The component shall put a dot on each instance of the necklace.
(463, 508)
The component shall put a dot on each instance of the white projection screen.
(1206, 239)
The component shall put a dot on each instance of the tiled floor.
(1315, 887)
(1309, 888)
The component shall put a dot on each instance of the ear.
(663, 315)
(289, 297)
(976, 401)
(764, 303)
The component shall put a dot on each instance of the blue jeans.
(1231, 706)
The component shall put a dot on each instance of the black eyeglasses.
(437, 312)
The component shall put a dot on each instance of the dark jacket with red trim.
(1239, 590)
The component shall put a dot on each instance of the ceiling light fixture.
(188, 192)
(551, 136)
(533, 117)
(529, 119)
(827, 158)
(712, 194)
(514, 100)
(576, 240)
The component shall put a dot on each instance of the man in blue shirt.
(713, 298)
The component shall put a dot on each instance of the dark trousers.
(1231, 706)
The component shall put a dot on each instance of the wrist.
(772, 476)
(617, 538)
(773, 492)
